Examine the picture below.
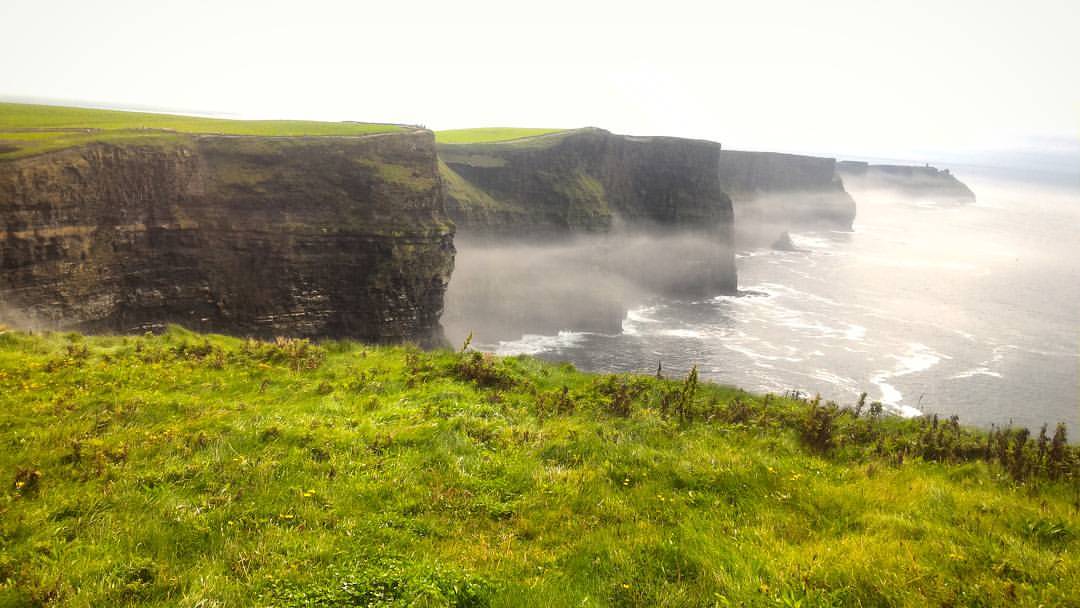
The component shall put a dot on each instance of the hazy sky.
(857, 76)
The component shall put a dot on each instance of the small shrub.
(555, 403)
(620, 392)
(299, 354)
(819, 426)
(483, 369)
(876, 409)
(860, 405)
(269, 434)
(680, 400)
(27, 482)
(737, 412)
(1057, 464)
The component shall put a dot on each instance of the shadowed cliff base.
(505, 288)
(763, 218)
(502, 290)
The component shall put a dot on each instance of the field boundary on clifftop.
(489, 135)
(28, 129)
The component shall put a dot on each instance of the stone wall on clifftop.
(261, 236)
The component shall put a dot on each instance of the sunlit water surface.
(973, 310)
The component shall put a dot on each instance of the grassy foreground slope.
(189, 470)
(27, 129)
(484, 135)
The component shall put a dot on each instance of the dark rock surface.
(308, 237)
(783, 243)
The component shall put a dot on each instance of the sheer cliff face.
(592, 182)
(341, 236)
(584, 181)
(924, 183)
(774, 193)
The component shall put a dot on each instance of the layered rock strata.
(305, 236)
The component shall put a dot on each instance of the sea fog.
(930, 308)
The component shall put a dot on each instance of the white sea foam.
(757, 357)
(533, 344)
(855, 332)
(635, 317)
(978, 371)
(848, 384)
(806, 241)
(680, 333)
(918, 358)
(986, 368)
(641, 315)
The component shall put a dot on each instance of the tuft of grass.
(27, 129)
(202, 470)
(489, 134)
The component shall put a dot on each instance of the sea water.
(968, 309)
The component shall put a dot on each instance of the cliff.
(565, 230)
(774, 193)
(584, 180)
(262, 236)
(590, 182)
(924, 183)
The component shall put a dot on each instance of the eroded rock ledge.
(305, 236)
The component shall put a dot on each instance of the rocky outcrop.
(774, 193)
(784, 243)
(309, 237)
(922, 183)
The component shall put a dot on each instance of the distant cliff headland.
(924, 182)
(124, 222)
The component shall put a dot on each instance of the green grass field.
(190, 470)
(489, 135)
(27, 129)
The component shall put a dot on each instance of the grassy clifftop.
(190, 470)
(489, 134)
(27, 129)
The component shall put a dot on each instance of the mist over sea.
(971, 309)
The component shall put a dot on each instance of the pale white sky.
(858, 76)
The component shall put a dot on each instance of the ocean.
(970, 309)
